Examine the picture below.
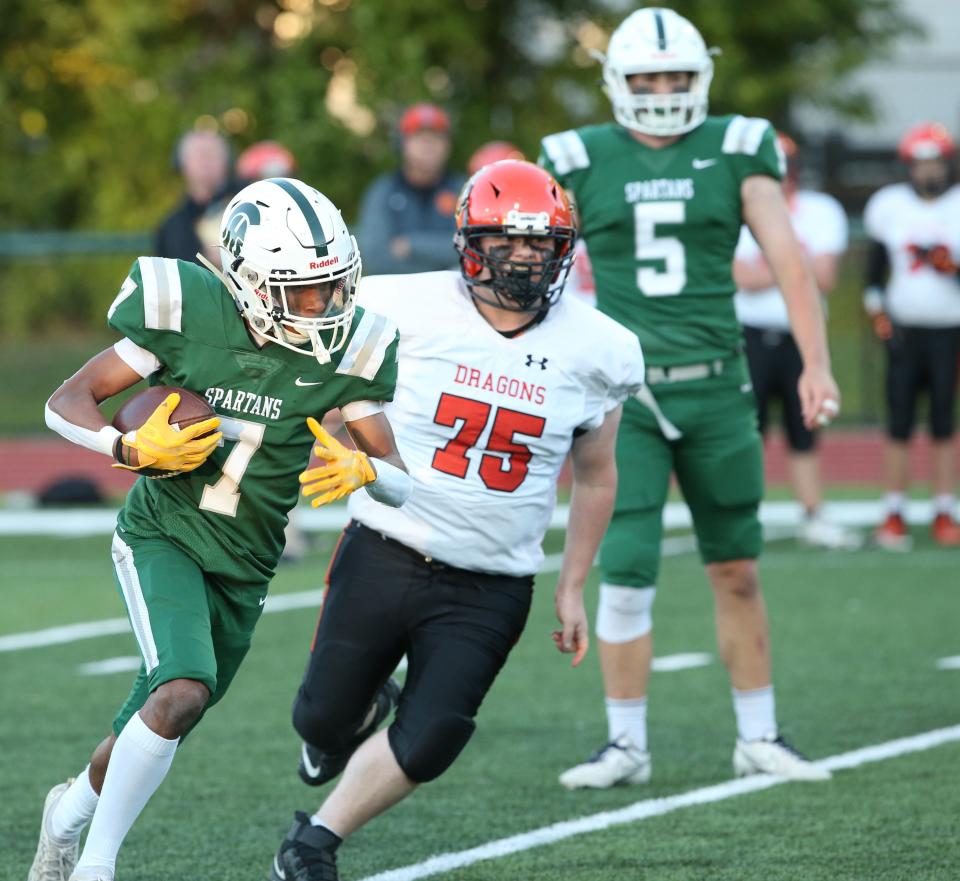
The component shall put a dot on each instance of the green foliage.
(93, 93)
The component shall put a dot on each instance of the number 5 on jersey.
(473, 417)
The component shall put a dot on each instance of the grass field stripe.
(656, 807)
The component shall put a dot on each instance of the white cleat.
(79, 876)
(55, 859)
(820, 533)
(619, 762)
(774, 756)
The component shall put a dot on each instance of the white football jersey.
(484, 422)
(917, 295)
(820, 226)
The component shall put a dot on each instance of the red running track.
(30, 465)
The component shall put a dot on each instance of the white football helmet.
(291, 264)
(652, 40)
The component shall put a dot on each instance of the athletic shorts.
(775, 368)
(188, 625)
(918, 359)
(719, 466)
(384, 600)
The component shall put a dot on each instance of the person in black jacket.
(203, 160)
(406, 219)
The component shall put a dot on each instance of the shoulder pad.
(368, 346)
(744, 135)
(566, 151)
(162, 293)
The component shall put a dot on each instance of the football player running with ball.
(500, 377)
(661, 195)
(272, 339)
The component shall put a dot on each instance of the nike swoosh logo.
(703, 163)
(311, 769)
(278, 870)
(262, 600)
(299, 381)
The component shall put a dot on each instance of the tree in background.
(93, 94)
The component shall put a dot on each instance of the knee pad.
(425, 754)
(320, 725)
(624, 613)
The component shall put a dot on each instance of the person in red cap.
(913, 298)
(490, 152)
(263, 160)
(406, 219)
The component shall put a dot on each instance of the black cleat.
(317, 767)
(306, 853)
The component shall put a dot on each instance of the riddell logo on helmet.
(320, 264)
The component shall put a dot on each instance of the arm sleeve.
(877, 265)
(753, 146)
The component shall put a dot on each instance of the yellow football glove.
(345, 470)
(160, 445)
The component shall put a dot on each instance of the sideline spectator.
(490, 152)
(774, 359)
(203, 160)
(265, 159)
(406, 217)
(913, 297)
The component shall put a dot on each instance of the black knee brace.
(424, 754)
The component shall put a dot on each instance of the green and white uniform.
(661, 227)
(194, 554)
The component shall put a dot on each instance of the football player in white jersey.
(913, 297)
(499, 378)
(820, 225)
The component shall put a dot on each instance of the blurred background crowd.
(126, 128)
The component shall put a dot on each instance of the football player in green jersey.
(662, 194)
(272, 339)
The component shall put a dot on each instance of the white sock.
(755, 712)
(945, 503)
(893, 502)
(628, 717)
(139, 762)
(74, 809)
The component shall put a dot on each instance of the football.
(137, 409)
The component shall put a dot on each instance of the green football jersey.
(229, 514)
(661, 226)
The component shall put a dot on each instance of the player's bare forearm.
(591, 504)
(751, 276)
(765, 211)
(102, 377)
(374, 436)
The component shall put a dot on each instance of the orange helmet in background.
(418, 117)
(511, 198)
(265, 159)
(928, 140)
(492, 151)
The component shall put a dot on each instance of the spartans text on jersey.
(244, 402)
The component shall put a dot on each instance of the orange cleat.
(945, 531)
(892, 534)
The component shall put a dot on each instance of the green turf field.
(856, 642)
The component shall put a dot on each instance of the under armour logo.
(541, 361)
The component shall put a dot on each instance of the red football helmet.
(928, 140)
(418, 117)
(514, 198)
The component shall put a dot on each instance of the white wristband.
(392, 486)
(101, 441)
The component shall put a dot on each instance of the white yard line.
(676, 515)
(656, 807)
(952, 663)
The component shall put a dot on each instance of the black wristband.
(118, 450)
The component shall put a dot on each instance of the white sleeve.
(378, 293)
(101, 441)
(143, 361)
(360, 410)
(832, 228)
(873, 216)
(620, 376)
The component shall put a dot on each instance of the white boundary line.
(672, 546)
(656, 807)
